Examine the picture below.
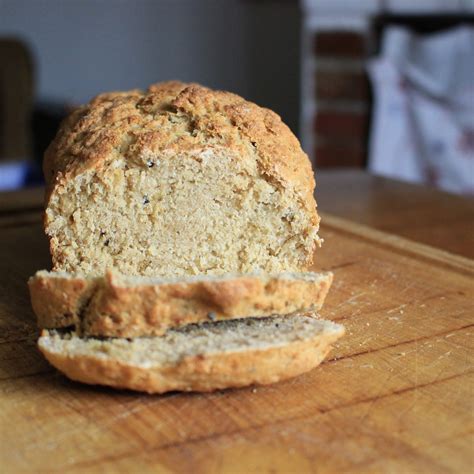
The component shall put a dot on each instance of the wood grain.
(394, 396)
(419, 213)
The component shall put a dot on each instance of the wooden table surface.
(395, 395)
(419, 213)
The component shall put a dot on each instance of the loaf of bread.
(178, 180)
(120, 306)
(182, 228)
(201, 357)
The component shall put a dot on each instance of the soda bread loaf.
(201, 357)
(121, 306)
(178, 180)
(205, 202)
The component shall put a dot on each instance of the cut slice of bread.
(119, 306)
(201, 357)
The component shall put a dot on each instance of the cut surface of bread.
(122, 306)
(178, 180)
(201, 357)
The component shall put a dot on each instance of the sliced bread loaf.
(119, 306)
(201, 357)
(178, 180)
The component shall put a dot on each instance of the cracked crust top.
(175, 116)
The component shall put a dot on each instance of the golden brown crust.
(116, 308)
(58, 304)
(178, 117)
(91, 133)
(197, 373)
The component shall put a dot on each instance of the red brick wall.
(342, 98)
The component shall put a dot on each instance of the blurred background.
(386, 86)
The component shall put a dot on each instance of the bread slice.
(120, 306)
(178, 180)
(201, 357)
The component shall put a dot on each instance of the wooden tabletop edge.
(400, 244)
